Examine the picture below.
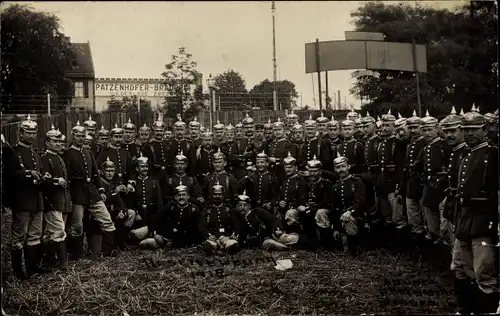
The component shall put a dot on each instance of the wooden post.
(417, 79)
(318, 70)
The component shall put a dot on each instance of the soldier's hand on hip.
(282, 204)
(62, 183)
(336, 234)
(36, 175)
(130, 188)
(103, 197)
(212, 238)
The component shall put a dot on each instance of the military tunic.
(184, 225)
(387, 177)
(122, 160)
(156, 152)
(133, 148)
(348, 195)
(188, 150)
(56, 197)
(452, 181)
(203, 164)
(221, 221)
(169, 183)
(411, 183)
(294, 192)
(227, 180)
(264, 189)
(254, 227)
(146, 200)
(354, 152)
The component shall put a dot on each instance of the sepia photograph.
(249, 158)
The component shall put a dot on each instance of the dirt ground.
(188, 282)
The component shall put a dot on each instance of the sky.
(137, 39)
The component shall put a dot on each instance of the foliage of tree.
(34, 57)
(461, 57)
(128, 104)
(261, 95)
(181, 75)
(230, 82)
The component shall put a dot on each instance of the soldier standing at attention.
(57, 201)
(157, 150)
(277, 150)
(91, 126)
(195, 132)
(101, 141)
(27, 205)
(351, 148)
(477, 215)
(129, 142)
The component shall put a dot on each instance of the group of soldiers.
(358, 183)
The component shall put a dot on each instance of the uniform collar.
(180, 176)
(346, 178)
(23, 144)
(142, 178)
(76, 147)
(373, 136)
(482, 145)
(419, 139)
(435, 140)
(263, 173)
(459, 146)
(114, 147)
(51, 152)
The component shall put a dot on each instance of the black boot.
(94, 246)
(49, 255)
(464, 296)
(352, 245)
(32, 260)
(74, 247)
(108, 244)
(62, 256)
(486, 303)
(17, 264)
(326, 239)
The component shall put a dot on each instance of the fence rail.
(65, 121)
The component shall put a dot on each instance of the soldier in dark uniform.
(262, 185)
(411, 184)
(232, 151)
(321, 127)
(351, 148)
(181, 143)
(349, 204)
(259, 131)
(293, 194)
(129, 141)
(431, 165)
(195, 132)
(87, 143)
(180, 225)
(333, 133)
(248, 139)
(64, 145)
(312, 145)
(118, 155)
(169, 183)
(371, 141)
(204, 155)
(91, 126)
(268, 134)
(157, 150)
(277, 151)
(239, 134)
(477, 216)
(10, 166)
(492, 128)
(168, 135)
(57, 201)
(144, 137)
(87, 193)
(298, 146)
(27, 204)
(255, 226)
(223, 178)
(219, 134)
(146, 200)
(101, 141)
(291, 120)
(319, 204)
(221, 223)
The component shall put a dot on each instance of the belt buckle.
(88, 180)
(119, 175)
(461, 200)
(162, 167)
(144, 206)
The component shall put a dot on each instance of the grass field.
(187, 282)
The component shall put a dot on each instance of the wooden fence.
(65, 121)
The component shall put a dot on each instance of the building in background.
(83, 76)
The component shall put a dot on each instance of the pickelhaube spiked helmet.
(54, 134)
(102, 131)
(229, 127)
(239, 125)
(428, 120)
(333, 122)
(90, 124)
(244, 197)
(116, 130)
(180, 157)
(217, 188)
(400, 121)
(142, 160)
(219, 155)
(289, 160)
(179, 123)
(473, 119)
(144, 128)
(218, 126)
(388, 117)
(339, 160)
(88, 138)
(268, 124)
(278, 123)
(292, 116)
(321, 119)
(491, 118)
(452, 121)
(368, 119)
(352, 115)
(194, 123)
(413, 120)
(78, 129)
(108, 164)
(261, 156)
(29, 125)
(314, 163)
(207, 134)
(310, 122)
(248, 120)
(297, 127)
(129, 126)
(347, 122)
(159, 124)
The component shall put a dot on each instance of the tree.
(231, 89)
(35, 55)
(129, 104)
(461, 55)
(181, 76)
(261, 94)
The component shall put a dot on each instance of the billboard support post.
(417, 79)
(318, 70)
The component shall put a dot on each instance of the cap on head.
(142, 160)
(452, 121)
(310, 122)
(218, 126)
(400, 122)
(159, 125)
(491, 118)
(278, 123)
(230, 127)
(297, 128)
(268, 124)
(29, 125)
(180, 157)
(261, 156)
(347, 123)
(116, 130)
(102, 131)
(244, 197)
(352, 115)
(388, 117)
(472, 120)
(219, 155)
(217, 188)
(340, 160)
(90, 124)
(248, 120)
(181, 189)
(321, 119)
(428, 120)
(145, 128)
(129, 126)
(194, 123)
(207, 135)
(78, 129)
(54, 134)
(332, 122)
(179, 123)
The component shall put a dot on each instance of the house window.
(79, 90)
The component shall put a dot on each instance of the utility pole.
(275, 96)
(327, 101)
